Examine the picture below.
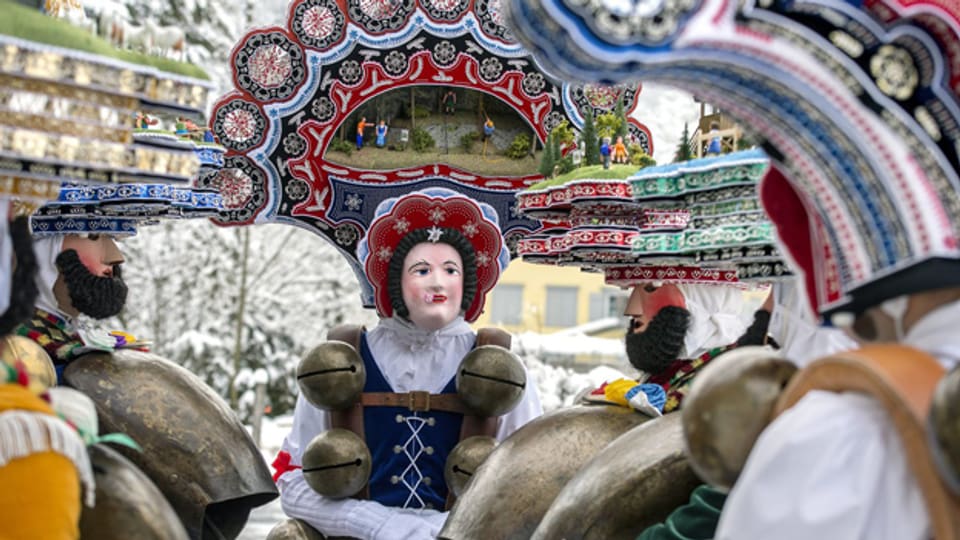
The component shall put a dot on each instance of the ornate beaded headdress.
(857, 103)
(299, 84)
(91, 124)
(692, 222)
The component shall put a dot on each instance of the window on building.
(596, 310)
(507, 305)
(615, 301)
(608, 303)
(561, 309)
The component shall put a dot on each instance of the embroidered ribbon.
(676, 379)
(51, 333)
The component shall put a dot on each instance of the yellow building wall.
(535, 278)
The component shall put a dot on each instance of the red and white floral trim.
(561, 197)
(628, 276)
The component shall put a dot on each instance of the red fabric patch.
(786, 210)
(648, 304)
(666, 295)
(282, 465)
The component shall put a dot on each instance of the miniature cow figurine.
(127, 34)
(168, 40)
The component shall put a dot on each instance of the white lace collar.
(408, 336)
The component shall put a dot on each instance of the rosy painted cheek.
(667, 295)
(93, 264)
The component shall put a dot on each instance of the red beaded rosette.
(436, 209)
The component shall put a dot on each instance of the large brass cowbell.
(331, 376)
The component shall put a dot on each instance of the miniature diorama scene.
(378, 269)
(415, 126)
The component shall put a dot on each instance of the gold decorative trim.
(72, 158)
(102, 97)
(62, 126)
(56, 107)
(183, 164)
(62, 148)
(52, 65)
(29, 193)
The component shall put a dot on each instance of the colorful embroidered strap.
(676, 379)
(51, 333)
(14, 374)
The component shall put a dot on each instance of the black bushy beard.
(23, 288)
(96, 296)
(653, 350)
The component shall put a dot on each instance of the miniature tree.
(640, 158)
(684, 152)
(623, 128)
(557, 151)
(563, 164)
(547, 160)
(520, 147)
(607, 125)
(591, 152)
(563, 133)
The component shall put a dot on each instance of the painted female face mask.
(432, 285)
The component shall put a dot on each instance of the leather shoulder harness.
(902, 380)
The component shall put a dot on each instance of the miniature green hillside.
(593, 172)
(28, 24)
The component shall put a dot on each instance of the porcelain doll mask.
(448, 221)
(432, 285)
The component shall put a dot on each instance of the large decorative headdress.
(433, 209)
(87, 138)
(692, 222)
(903, 242)
(118, 209)
(857, 104)
(297, 84)
(102, 167)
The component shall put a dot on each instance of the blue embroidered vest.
(409, 448)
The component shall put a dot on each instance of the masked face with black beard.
(97, 296)
(660, 344)
(23, 289)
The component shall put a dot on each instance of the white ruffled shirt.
(410, 359)
(716, 317)
(833, 465)
(794, 326)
